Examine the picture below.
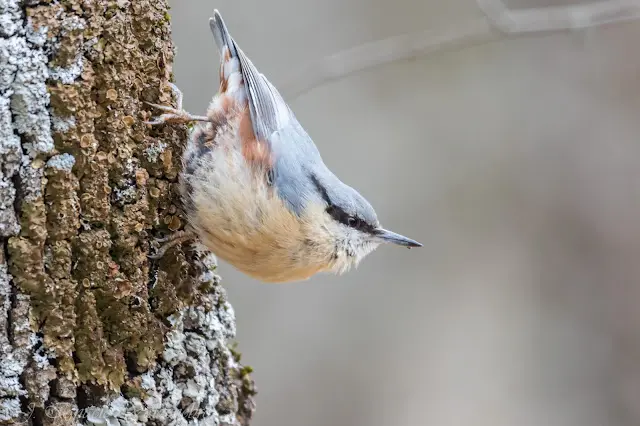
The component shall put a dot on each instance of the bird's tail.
(231, 81)
(221, 34)
(269, 112)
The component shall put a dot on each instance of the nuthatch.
(254, 188)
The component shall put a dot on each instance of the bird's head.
(351, 224)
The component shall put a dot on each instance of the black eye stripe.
(352, 222)
(340, 215)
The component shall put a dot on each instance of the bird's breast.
(242, 219)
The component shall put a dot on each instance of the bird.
(254, 188)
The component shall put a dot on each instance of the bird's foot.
(171, 241)
(174, 115)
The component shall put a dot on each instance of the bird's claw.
(165, 108)
(172, 240)
(174, 115)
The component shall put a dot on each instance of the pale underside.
(240, 218)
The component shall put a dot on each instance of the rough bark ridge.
(91, 332)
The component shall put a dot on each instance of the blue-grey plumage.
(255, 189)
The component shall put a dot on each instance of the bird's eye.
(270, 177)
(351, 221)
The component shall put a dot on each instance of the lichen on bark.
(91, 331)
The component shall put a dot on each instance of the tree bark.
(91, 330)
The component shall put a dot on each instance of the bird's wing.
(269, 112)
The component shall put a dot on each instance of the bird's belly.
(257, 251)
(242, 220)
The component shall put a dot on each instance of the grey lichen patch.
(62, 124)
(70, 73)
(10, 151)
(10, 17)
(62, 162)
(29, 98)
(10, 154)
(10, 410)
(153, 151)
(8, 221)
(22, 67)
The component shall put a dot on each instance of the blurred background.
(505, 136)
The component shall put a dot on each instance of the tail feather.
(221, 34)
(230, 74)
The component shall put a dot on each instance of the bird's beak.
(392, 237)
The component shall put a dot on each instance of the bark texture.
(91, 331)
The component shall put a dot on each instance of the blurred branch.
(557, 18)
(501, 21)
(396, 48)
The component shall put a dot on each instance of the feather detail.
(269, 112)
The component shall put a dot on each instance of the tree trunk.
(91, 330)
